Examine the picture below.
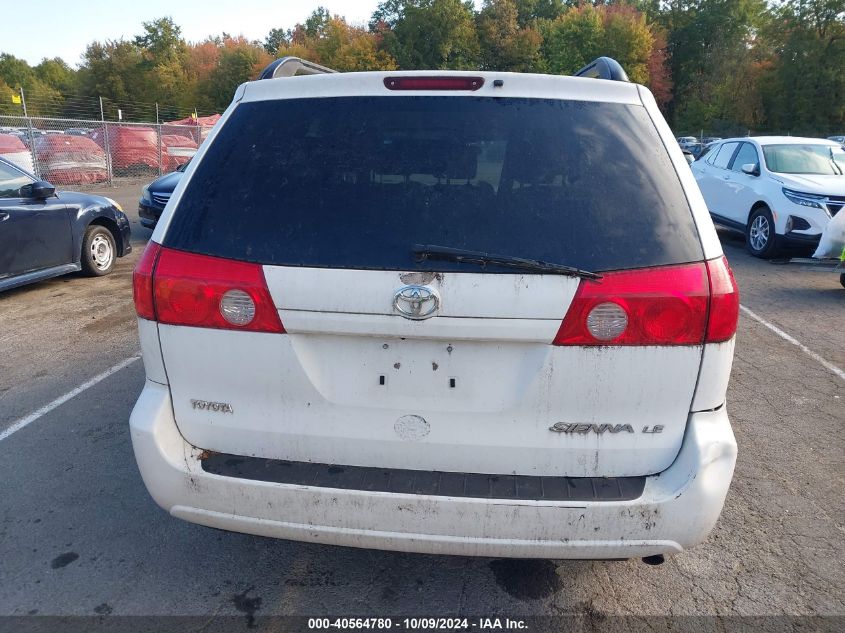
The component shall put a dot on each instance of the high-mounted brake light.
(724, 301)
(652, 306)
(433, 83)
(179, 288)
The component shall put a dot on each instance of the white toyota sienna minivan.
(470, 313)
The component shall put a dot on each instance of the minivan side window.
(724, 156)
(746, 154)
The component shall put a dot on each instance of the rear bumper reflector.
(422, 482)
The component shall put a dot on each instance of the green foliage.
(710, 41)
(530, 11)
(803, 85)
(237, 63)
(317, 22)
(16, 72)
(43, 96)
(277, 39)
(437, 34)
(504, 43)
(57, 74)
(115, 70)
(573, 40)
(729, 66)
(586, 32)
(332, 42)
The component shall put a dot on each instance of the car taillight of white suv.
(461, 313)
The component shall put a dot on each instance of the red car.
(70, 160)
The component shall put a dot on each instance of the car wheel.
(842, 279)
(98, 251)
(760, 237)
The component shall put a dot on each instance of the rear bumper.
(677, 509)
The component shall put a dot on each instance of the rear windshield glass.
(356, 182)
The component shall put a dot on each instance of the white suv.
(781, 191)
(459, 313)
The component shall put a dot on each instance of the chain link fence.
(79, 153)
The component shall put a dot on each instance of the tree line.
(727, 66)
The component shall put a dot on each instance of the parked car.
(70, 160)
(838, 139)
(14, 149)
(685, 141)
(695, 149)
(781, 191)
(426, 311)
(176, 150)
(156, 194)
(706, 140)
(24, 134)
(45, 233)
(133, 149)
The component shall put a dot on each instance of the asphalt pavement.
(81, 536)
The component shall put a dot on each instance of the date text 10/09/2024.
(417, 624)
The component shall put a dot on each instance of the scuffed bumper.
(677, 510)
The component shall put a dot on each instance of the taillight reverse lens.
(724, 301)
(202, 291)
(142, 282)
(654, 306)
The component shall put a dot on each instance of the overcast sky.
(63, 28)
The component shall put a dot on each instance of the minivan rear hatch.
(397, 360)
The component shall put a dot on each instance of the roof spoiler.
(603, 68)
(289, 66)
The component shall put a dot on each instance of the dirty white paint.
(676, 511)
(715, 373)
(411, 427)
(318, 397)
(462, 295)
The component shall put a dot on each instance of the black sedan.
(156, 194)
(45, 233)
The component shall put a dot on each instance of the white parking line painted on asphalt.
(17, 425)
(826, 363)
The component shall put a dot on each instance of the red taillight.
(724, 301)
(201, 291)
(433, 83)
(142, 282)
(656, 306)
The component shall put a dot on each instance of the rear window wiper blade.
(447, 253)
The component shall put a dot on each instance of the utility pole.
(106, 141)
(31, 135)
(158, 128)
